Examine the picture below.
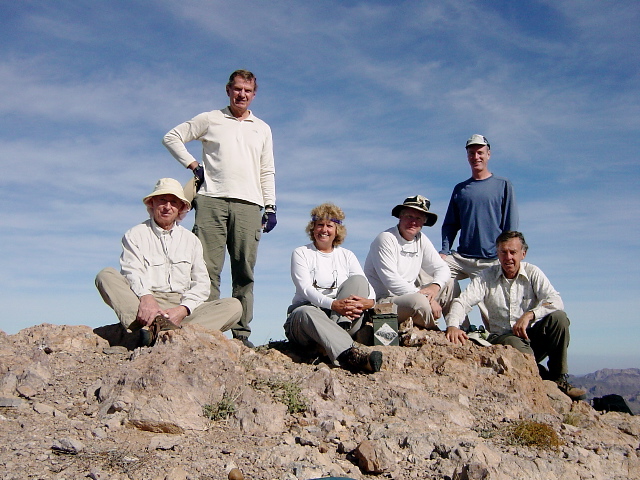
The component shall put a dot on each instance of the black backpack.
(611, 403)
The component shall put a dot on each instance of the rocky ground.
(77, 403)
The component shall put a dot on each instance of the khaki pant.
(416, 306)
(115, 291)
(461, 268)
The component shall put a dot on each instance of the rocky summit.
(78, 403)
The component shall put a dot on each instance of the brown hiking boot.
(356, 360)
(574, 393)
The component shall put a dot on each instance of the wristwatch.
(270, 209)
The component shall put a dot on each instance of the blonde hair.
(333, 213)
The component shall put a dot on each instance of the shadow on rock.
(118, 336)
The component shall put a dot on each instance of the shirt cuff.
(190, 305)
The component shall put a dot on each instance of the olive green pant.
(227, 224)
(548, 337)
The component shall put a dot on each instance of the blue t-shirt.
(480, 210)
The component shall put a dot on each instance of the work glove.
(269, 220)
(198, 172)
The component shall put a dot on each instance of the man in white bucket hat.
(163, 278)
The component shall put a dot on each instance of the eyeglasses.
(333, 286)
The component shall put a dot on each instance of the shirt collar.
(158, 231)
(521, 273)
(227, 113)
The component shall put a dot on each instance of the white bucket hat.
(168, 186)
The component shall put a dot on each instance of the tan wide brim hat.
(420, 203)
(168, 186)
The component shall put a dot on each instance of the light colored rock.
(68, 445)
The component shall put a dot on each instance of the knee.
(303, 313)
(359, 281)
(421, 303)
(517, 343)
(559, 319)
(104, 274)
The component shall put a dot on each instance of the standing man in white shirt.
(162, 271)
(524, 311)
(236, 198)
(396, 258)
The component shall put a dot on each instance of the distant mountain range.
(624, 382)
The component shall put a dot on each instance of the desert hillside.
(77, 403)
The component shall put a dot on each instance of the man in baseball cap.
(396, 258)
(163, 278)
(480, 209)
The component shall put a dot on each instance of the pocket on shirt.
(181, 271)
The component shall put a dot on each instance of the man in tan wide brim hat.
(404, 267)
(163, 277)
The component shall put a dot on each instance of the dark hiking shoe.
(574, 393)
(358, 360)
(149, 337)
(144, 339)
(245, 341)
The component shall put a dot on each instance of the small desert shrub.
(221, 410)
(573, 419)
(287, 392)
(532, 434)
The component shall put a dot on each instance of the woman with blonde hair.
(332, 293)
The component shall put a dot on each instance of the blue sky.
(369, 102)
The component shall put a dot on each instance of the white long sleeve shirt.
(237, 155)
(394, 263)
(507, 300)
(317, 275)
(158, 260)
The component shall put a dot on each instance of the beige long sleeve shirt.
(158, 260)
(237, 155)
(507, 300)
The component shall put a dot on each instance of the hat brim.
(167, 191)
(190, 190)
(430, 221)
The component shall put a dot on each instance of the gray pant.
(115, 291)
(308, 324)
(234, 225)
(548, 337)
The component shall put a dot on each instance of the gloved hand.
(269, 221)
(198, 172)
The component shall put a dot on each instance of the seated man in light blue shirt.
(523, 308)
